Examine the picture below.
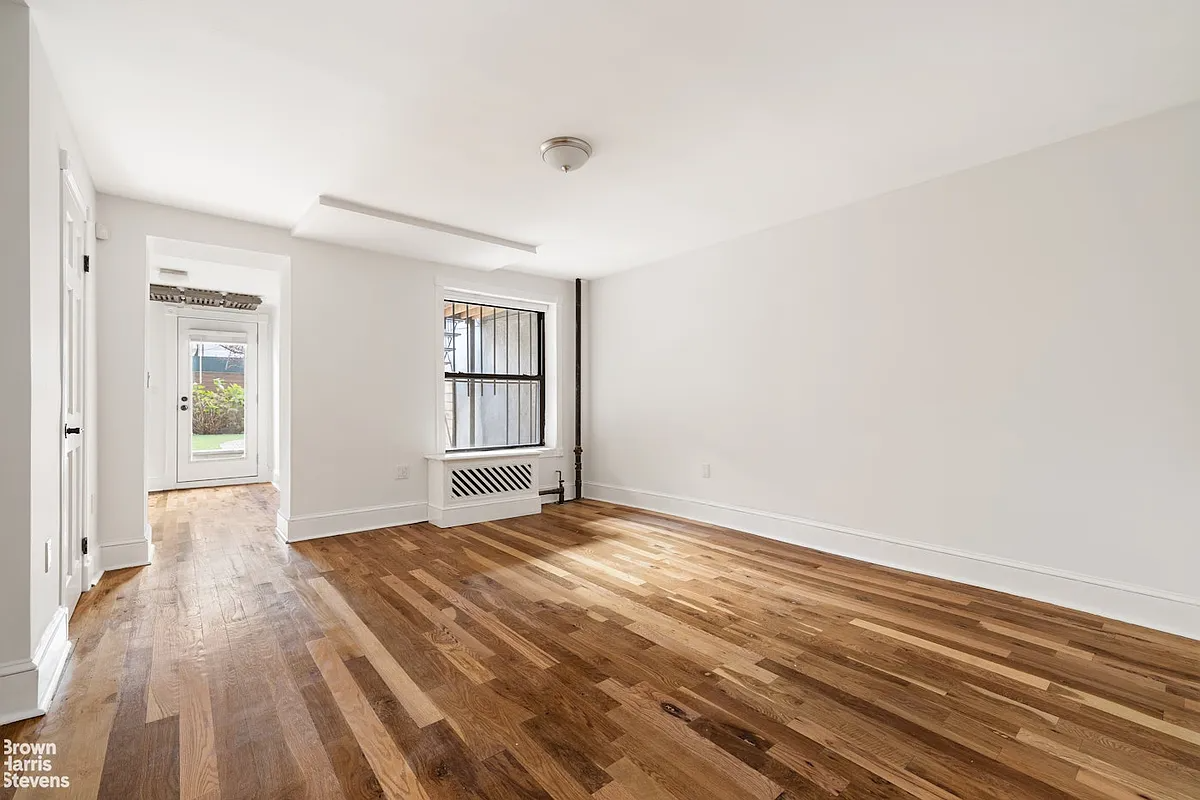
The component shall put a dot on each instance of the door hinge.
(85, 546)
(87, 263)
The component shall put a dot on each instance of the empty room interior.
(632, 401)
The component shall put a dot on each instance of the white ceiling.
(709, 118)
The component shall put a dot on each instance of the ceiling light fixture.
(566, 153)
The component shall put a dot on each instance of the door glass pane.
(218, 400)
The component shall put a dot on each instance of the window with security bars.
(495, 376)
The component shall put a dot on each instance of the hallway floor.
(592, 652)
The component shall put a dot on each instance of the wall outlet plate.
(705, 470)
(402, 472)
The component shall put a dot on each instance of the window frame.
(483, 377)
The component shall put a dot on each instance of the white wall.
(359, 368)
(998, 366)
(49, 131)
(33, 129)
(14, 331)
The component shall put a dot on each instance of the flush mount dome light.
(566, 153)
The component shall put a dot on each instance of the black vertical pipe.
(578, 389)
(541, 370)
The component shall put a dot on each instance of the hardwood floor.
(592, 652)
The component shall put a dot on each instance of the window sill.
(475, 455)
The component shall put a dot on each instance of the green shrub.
(221, 411)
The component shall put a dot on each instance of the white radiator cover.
(465, 488)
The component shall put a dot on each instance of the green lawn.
(202, 442)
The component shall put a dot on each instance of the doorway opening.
(213, 322)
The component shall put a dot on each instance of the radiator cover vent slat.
(497, 479)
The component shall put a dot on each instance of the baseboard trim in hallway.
(129, 553)
(302, 527)
(27, 687)
(1140, 605)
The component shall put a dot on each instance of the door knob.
(69, 430)
(183, 408)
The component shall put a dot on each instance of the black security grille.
(491, 480)
(495, 376)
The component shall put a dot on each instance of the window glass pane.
(486, 413)
(475, 336)
(491, 339)
(487, 339)
(512, 334)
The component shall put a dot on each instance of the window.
(495, 376)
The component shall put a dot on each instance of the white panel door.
(217, 400)
(74, 231)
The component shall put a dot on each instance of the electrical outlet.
(705, 470)
(402, 472)
(49, 553)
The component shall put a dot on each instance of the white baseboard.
(483, 511)
(95, 579)
(335, 523)
(27, 686)
(129, 553)
(19, 692)
(1140, 605)
(302, 527)
(51, 657)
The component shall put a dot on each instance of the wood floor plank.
(514, 640)
(593, 651)
(643, 711)
(199, 773)
(392, 770)
(957, 655)
(637, 783)
(436, 616)
(422, 710)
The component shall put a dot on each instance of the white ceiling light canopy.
(566, 153)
